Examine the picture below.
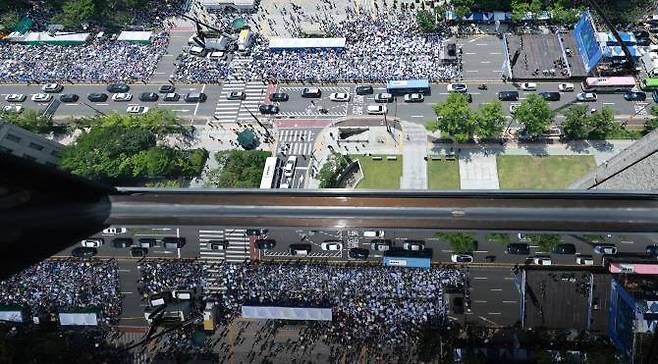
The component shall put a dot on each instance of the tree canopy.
(328, 174)
(425, 21)
(460, 242)
(535, 114)
(490, 120)
(30, 120)
(547, 242)
(454, 117)
(579, 123)
(238, 168)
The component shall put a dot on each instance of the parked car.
(265, 244)
(173, 242)
(508, 95)
(115, 230)
(15, 98)
(236, 95)
(377, 109)
(313, 92)
(383, 97)
(198, 51)
(542, 260)
(586, 96)
(373, 234)
(414, 97)
(148, 97)
(279, 97)
(147, 242)
(68, 98)
(415, 245)
(135, 109)
(166, 89)
(550, 95)
(196, 97)
(331, 245)
(381, 245)
(122, 242)
(359, 253)
(52, 88)
(635, 96)
(12, 109)
(300, 249)
(218, 244)
(340, 97)
(97, 97)
(517, 249)
(172, 96)
(118, 88)
(457, 87)
(584, 260)
(122, 96)
(652, 250)
(461, 258)
(289, 168)
(605, 249)
(529, 86)
(268, 109)
(566, 248)
(92, 243)
(566, 87)
(84, 252)
(364, 90)
(41, 97)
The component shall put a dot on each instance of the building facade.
(25, 144)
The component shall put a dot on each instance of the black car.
(84, 252)
(173, 243)
(569, 249)
(508, 95)
(518, 249)
(138, 252)
(196, 97)
(635, 96)
(550, 95)
(147, 242)
(641, 34)
(643, 42)
(172, 96)
(218, 244)
(264, 244)
(122, 242)
(97, 97)
(268, 109)
(364, 90)
(652, 250)
(117, 88)
(279, 96)
(165, 89)
(148, 96)
(359, 253)
(68, 98)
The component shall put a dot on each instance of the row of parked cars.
(89, 247)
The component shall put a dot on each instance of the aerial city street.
(335, 181)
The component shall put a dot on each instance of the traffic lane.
(495, 298)
(482, 57)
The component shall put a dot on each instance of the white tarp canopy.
(45, 37)
(11, 313)
(78, 319)
(286, 313)
(129, 36)
(281, 43)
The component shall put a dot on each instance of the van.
(508, 95)
(373, 234)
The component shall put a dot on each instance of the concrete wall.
(25, 144)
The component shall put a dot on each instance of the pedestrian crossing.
(230, 111)
(296, 141)
(641, 108)
(327, 254)
(311, 114)
(237, 252)
(326, 90)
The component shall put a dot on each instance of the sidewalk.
(414, 151)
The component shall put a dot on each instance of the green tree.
(135, 3)
(603, 123)
(490, 120)
(535, 7)
(455, 118)
(425, 21)
(76, 12)
(462, 7)
(155, 162)
(519, 10)
(576, 123)
(500, 238)
(238, 168)
(562, 15)
(547, 242)
(460, 242)
(535, 114)
(329, 172)
(8, 20)
(31, 120)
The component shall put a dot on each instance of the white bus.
(269, 172)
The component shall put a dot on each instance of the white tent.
(136, 37)
(286, 313)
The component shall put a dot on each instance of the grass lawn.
(546, 172)
(381, 174)
(443, 175)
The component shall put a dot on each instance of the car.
(117, 88)
(265, 244)
(218, 244)
(566, 87)
(512, 95)
(172, 96)
(377, 109)
(381, 245)
(279, 97)
(216, 55)
(523, 237)
(97, 97)
(12, 109)
(340, 97)
(92, 243)
(198, 51)
(122, 242)
(652, 250)
(256, 232)
(550, 95)
(41, 97)
(529, 86)
(84, 252)
(566, 248)
(586, 96)
(122, 96)
(605, 249)
(517, 249)
(138, 252)
(513, 106)
(236, 95)
(364, 90)
(415, 245)
(457, 87)
(584, 260)
(137, 109)
(173, 242)
(15, 98)
(635, 96)
(268, 109)
(147, 242)
(68, 98)
(166, 89)
(52, 88)
(654, 96)
(331, 245)
(285, 184)
(542, 260)
(414, 97)
(148, 97)
(196, 97)
(115, 230)
(383, 97)
(373, 234)
(300, 249)
(359, 253)
(314, 92)
(461, 258)
(289, 168)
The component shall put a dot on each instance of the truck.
(209, 314)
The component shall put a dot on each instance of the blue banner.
(588, 45)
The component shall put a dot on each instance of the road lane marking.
(127, 292)
(481, 44)
(481, 251)
(470, 53)
(496, 53)
(203, 88)
(488, 321)
(510, 301)
(627, 242)
(608, 103)
(479, 301)
(101, 104)
(124, 270)
(510, 278)
(494, 313)
(417, 116)
(472, 71)
(485, 62)
(496, 290)
(481, 278)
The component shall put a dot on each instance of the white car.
(461, 258)
(340, 97)
(137, 109)
(414, 98)
(92, 243)
(542, 260)
(605, 249)
(377, 109)
(586, 96)
(15, 98)
(457, 87)
(115, 230)
(41, 97)
(513, 106)
(216, 55)
(380, 245)
(383, 97)
(12, 109)
(198, 51)
(584, 260)
(413, 245)
(289, 168)
(122, 96)
(529, 86)
(331, 245)
(566, 87)
(52, 88)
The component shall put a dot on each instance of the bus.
(397, 257)
(401, 87)
(269, 172)
(650, 268)
(608, 84)
(649, 84)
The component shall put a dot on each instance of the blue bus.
(396, 257)
(401, 87)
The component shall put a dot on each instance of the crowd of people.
(98, 60)
(53, 286)
(190, 68)
(157, 275)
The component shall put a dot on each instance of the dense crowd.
(53, 286)
(157, 275)
(384, 48)
(370, 304)
(191, 68)
(99, 60)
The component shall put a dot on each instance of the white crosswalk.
(237, 252)
(296, 141)
(238, 110)
(327, 254)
